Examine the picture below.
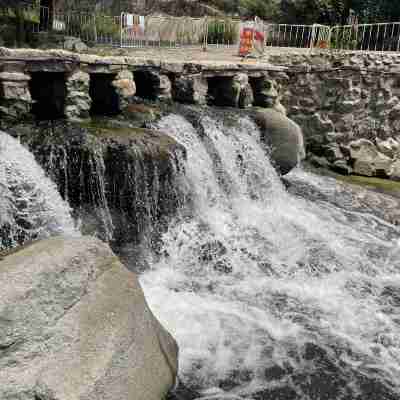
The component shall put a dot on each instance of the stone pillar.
(191, 89)
(266, 94)
(125, 87)
(15, 97)
(232, 91)
(246, 97)
(163, 87)
(78, 101)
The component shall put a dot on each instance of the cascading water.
(271, 295)
(30, 205)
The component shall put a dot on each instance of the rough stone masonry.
(346, 103)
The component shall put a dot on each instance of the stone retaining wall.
(347, 104)
(348, 107)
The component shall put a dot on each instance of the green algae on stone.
(379, 184)
(149, 141)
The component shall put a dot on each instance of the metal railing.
(137, 32)
(171, 32)
(133, 31)
(282, 35)
(90, 28)
(222, 32)
(366, 37)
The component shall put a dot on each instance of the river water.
(30, 204)
(270, 293)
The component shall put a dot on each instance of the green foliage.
(377, 10)
(16, 9)
(227, 6)
(348, 39)
(265, 9)
(312, 11)
(337, 11)
(107, 27)
(223, 31)
(100, 25)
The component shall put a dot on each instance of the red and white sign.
(252, 38)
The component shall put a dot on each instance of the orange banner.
(246, 41)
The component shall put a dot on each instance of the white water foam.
(30, 205)
(253, 277)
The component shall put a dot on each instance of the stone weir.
(59, 84)
(346, 103)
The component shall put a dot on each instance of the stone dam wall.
(346, 103)
(348, 107)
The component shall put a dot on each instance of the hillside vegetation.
(299, 11)
(17, 25)
(294, 11)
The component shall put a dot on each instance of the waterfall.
(30, 205)
(272, 294)
(120, 181)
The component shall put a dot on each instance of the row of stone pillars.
(78, 94)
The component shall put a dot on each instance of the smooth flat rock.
(74, 325)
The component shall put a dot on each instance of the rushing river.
(270, 293)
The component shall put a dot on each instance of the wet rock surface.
(15, 98)
(121, 181)
(284, 137)
(337, 99)
(75, 324)
(78, 101)
(361, 195)
(191, 89)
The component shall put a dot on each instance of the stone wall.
(348, 106)
(346, 103)
(15, 98)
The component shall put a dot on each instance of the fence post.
(205, 41)
(94, 28)
(330, 37)
(121, 28)
(313, 32)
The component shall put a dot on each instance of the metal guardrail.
(133, 31)
(366, 37)
(297, 36)
(138, 32)
(171, 32)
(282, 35)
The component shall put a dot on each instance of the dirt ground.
(213, 54)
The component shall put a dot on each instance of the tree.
(377, 10)
(311, 11)
(17, 9)
(337, 11)
(265, 9)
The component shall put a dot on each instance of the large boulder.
(395, 170)
(284, 137)
(368, 161)
(74, 44)
(389, 147)
(74, 325)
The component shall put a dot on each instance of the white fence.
(137, 31)
(366, 37)
(133, 31)
(299, 36)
